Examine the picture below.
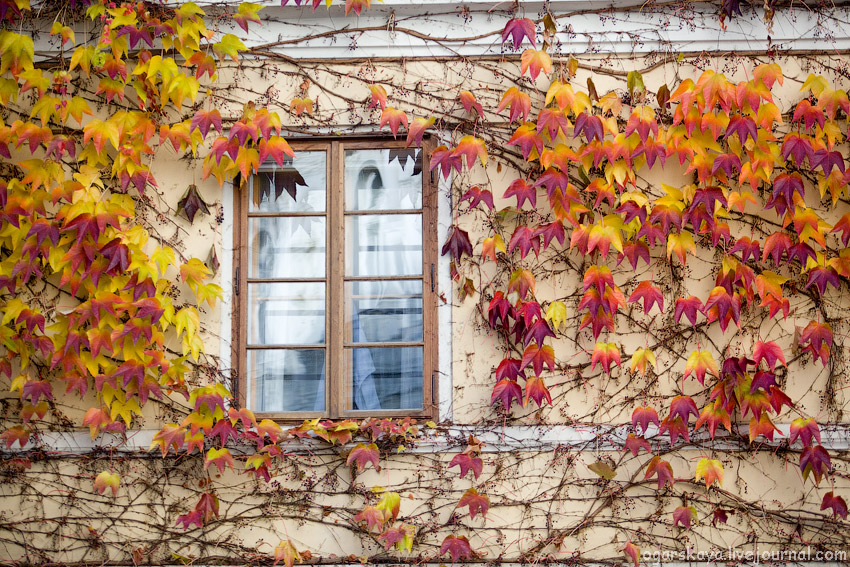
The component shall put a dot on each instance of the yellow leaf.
(556, 314)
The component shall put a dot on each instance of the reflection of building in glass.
(382, 289)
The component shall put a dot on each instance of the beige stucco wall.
(543, 499)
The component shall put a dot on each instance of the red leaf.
(204, 119)
(526, 240)
(523, 192)
(661, 468)
(477, 195)
(643, 416)
(417, 129)
(650, 294)
(536, 390)
(518, 29)
(683, 406)
(816, 338)
(676, 427)
(684, 515)
(770, 352)
(467, 99)
(379, 96)
(457, 547)
(537, 357)
(478, 503)
(446, 160)
(506, 390)
(714, 415)
(837, 503)
(815, 460)
(720, 516)
(394, 118)
(535, 62)
(457, 243)
(18, 434)
(471, 147)
(635, 444)
(373, 517)
(632, 551)
(363, 454)
(191, 203)
(605, 354)
(805, 429)
(467, 463)
(519, 103)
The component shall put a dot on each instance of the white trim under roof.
(404, 28)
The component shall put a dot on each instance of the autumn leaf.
(477, 195)
(641, 358)
(107, 479)
(650, 294)
(605, 354)
(699, 363)
(643, 416)
(518, 102)
(287, 553)
(603, 469)
(535, 62)
(373, 517)
(467, 463)
(661, 469)
(836, 503)
(192, 203)
(477, 503)
(711, 470)
(804, 429)
(456, 547)
(457, 244)
(684, 516)
(416, 130)
(379, 96)
(469, 102)
(633, 552)
(363, 454)
(518, 29)
(471, 147)
(394, 118)
(814, 460)
(634, 444)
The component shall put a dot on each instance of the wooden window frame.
(336, 383)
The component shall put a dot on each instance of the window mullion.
(335, 381)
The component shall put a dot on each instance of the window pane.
(298, 186)
(383, 179)
(286, 247)
(385, 378)
(383, 311)
(286, 313)
(286, 380)
(383, 245)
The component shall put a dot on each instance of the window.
(336, 259)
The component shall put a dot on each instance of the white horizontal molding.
(409, 29)
(450, 439)
(442, 30)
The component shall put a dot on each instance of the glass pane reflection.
(298, 186)
(383, 179)
(383, 245)
(286, 380)
(383, 311)
(286, 313)
(286, 247)
(385, 378)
